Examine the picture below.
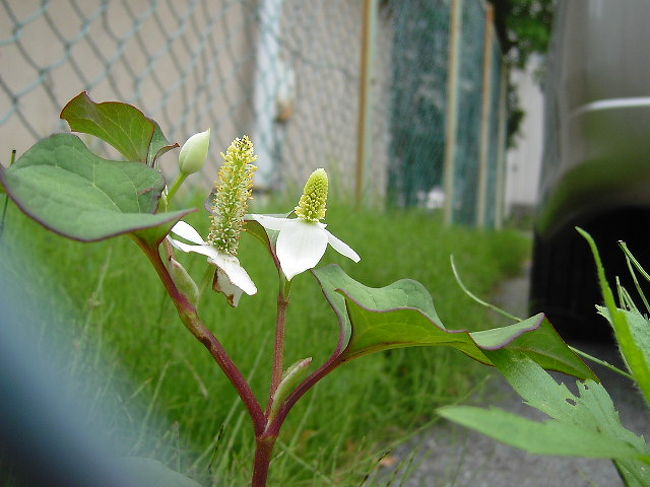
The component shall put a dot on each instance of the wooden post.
(364, 126)
(484, 147)
(452, 109)
(501, 154)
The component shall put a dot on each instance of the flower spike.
(233, 190)
(302, 241)
(313, 202)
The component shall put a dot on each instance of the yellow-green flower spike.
(313, 202)
(233, 189)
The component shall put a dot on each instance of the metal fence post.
(481, 202)
(452, 109)
(364, 126)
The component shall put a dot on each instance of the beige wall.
(176, 69)
(323, 47)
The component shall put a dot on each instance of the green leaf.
(629, 329)
(135, 136)
(637, 340)
(290, 379)
(549, 438)
(264, 235)
(256, 230)
(68, 189)
(402, 314)
(583, 425)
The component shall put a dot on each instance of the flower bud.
(313, 202)
(290, 380)
(194, 152)
(184, 281)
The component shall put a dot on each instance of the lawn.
(161, 390)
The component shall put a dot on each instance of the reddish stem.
(263, 453)
(189, 315)
(278, 351)
(332, 363)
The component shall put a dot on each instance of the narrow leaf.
(628, 328)
(68, 189)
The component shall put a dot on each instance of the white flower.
(231, 278)
(301, 244)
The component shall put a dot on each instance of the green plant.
(583, 425)
(65, 187)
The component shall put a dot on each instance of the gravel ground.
(450, 455)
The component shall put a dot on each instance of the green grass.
(189, 415)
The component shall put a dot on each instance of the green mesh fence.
(494, 152)
(420, 109)
(470, 86)
(285, 72)
(419, 101)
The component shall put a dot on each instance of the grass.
(189, 417)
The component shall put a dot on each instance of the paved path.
(449, 455)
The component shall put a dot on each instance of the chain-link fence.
(287, 72)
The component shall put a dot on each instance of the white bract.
(301, 244)
(232, 279)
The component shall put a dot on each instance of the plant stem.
(177, 184)
(189, 315)
(274, 427)
(598, 361)
(278, 351)
(280, 327)
(263, 452)
(473, 296)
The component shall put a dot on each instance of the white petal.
(206, 250)
(187, 231)
(236, 273)
(300, 246)
(270, 222)
(342, 248)
(228, 263)
(222, 284)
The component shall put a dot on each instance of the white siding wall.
(524, 160)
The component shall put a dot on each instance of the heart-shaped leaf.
(68, 189)
(135, 136)
(584, 425)
(403, 315)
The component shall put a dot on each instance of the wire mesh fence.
(286, 72)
